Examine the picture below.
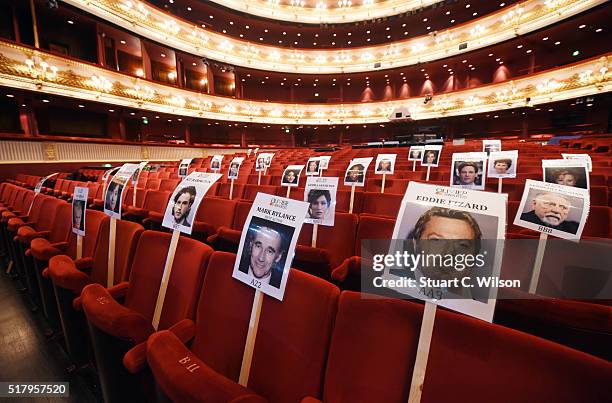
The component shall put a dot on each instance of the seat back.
(343, 201)
(383, 205)
(156, 200)
(152, 183)
(367, 333)
(338, 240)
(599, 222)
(284, 343)
(47, 213)
(250, 191)
(189, 266)
(240, 214)
(168, 184)
(126, 239)
(371, 227)
(216, 212)
(224, 188)
(62, 223)
(93, 222)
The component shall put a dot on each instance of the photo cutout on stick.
(572, 173)
(385, 164)
(468, 170)
(137, 172)
(115, 190)
(313, 166)
(215, 163)
(79, 208)
(454, 234)
(416, 153)
(503, 164)
(356, 171)
(320, 194)
(489, 146)
(260, 163)
(585, 157)
(185, 200)
(267, 243)
(234, 167)
(291, 175)
(553, 209)
(183, 169)
(431, 155)
(324, 161)
(42, 181)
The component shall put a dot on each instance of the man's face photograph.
(416, 154)
(265, 252)
(182, 206)
(552, 209)
(384, 165)
(77, 215)
(113, 198)
(467, 175)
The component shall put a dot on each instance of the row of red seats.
(196, 355)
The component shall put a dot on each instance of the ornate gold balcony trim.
(29, 69)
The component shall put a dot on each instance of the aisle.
(27, 355)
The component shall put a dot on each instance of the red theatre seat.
(212, 214)
(250, 191)
(382, 205)
(292, 341)
(469, 360)
(334, 244)
(116, 327)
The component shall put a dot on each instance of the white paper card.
(320, 194)
(267, 243)
(79, 209)
(503, 164)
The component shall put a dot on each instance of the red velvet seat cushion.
(113, 318)
(14, 223)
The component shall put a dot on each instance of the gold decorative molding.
(85, 81)
(504, 24)
(324, 11)
(50, 150)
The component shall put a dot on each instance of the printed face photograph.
(260, 163)
(215, 164)
(113, 197)
(384, 165)
(355, 174)
(444, 231)
(430, 157)
(183, 171)
(491, 148)
(183, 200)
(233, 170)
(553, 210)
(78, 208)
(265, 251)
(415, 154)
(468, 173)
(313, 167)
(319, 201)
(501, 166)
(291, 176)
(268, 161)
(567, 176)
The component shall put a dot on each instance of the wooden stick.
(259, 179)
(352, 199)
(110, 276)
(249, 346)
(413, 165)
(428, 170)
(161, 295)
(382, 187)
(231, 189)
(420, 364)
(288, 191)
(315, 230)
(79, 247)
(537, 264)
(134, 195)
(499, 185)
(31, 204)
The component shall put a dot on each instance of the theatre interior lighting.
(496, 27)
(88, 82)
